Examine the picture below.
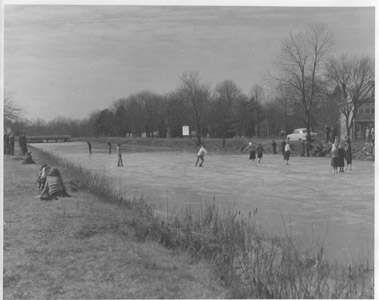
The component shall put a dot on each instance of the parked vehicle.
(300, 134)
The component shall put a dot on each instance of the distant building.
(365, 118)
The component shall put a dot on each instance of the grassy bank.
(83, 248)
(249, 262)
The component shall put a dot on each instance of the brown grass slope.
(82, 248)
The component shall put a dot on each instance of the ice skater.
(252, 152)
(119, 163)
(273, 147)
(110, 148)
(89, 147)
(334, 155)
(348, 157)
(287, 152)
(341, 157)
(200, 155)
(260, 151)
(283, 145)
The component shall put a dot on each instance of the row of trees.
(309, 88)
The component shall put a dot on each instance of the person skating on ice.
(287, 152)
(200, 155)
(260, 151)
(252, 151)
(119, 162)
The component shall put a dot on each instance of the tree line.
(307, 87)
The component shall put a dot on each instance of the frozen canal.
(313, 203)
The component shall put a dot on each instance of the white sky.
(68, 60)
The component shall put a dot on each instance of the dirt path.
(82, 248)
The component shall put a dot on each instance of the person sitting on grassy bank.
(45, 169)
(28, 159)
(54, 186)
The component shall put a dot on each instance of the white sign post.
(185, 130)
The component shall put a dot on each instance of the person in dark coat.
(28, 159)
(6, 143)
(252, 154)
(89, 147)
(260, 151)
(341, 157)
(348, 154)
(110, 148)
(11, 144)
(283, 146)
(273, 147)
(23, 144)
(334, 155)
(119, 155)
(54, 186)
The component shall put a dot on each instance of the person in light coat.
(200, 155)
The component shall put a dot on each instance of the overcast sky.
(69, 60)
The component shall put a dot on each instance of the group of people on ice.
(340, 151)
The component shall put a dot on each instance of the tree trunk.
(223, 139)
(198, 135)
(347, 126)
(308, 126)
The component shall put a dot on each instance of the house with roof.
(364, 119)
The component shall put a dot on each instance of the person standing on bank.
(6, 144)
(119, 163)
(11, 144)
(110, 148)
(200, 155)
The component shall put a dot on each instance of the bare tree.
(299, 65)
(354, 77)
(227, 94)
(284, 105)
(258, 97)
(197, 95)
(12, 112)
